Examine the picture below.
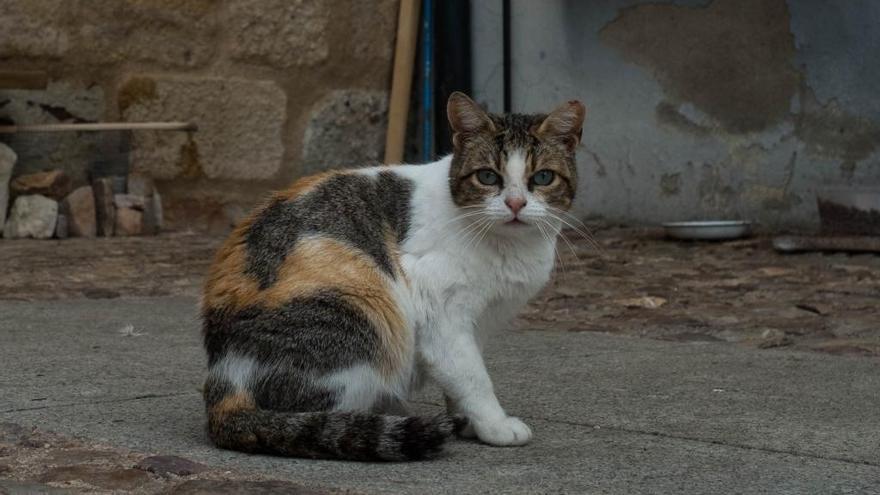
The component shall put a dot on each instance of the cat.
(332, 302)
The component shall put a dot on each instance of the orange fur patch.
(238, 401)
(231, 404)
(320, 263)
(315, 264)
(227, 285)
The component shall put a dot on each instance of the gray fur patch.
(352, 208)
(295, 345)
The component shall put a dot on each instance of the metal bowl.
(708, 230)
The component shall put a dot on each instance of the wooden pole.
(401, 80)
(101, 126)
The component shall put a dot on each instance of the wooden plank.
(401, 81)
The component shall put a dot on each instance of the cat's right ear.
(466, 117)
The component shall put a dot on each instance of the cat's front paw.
(506, 432)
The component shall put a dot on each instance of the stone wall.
(278, 88)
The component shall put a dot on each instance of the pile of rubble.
(45, 204)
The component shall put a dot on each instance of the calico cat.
(327, 307)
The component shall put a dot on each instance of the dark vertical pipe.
(452, 62)
(505, 43)
(427, 80)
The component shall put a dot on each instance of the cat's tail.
(356, 436)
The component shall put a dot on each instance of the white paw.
(508, 431)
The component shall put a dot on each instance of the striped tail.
(356, 436)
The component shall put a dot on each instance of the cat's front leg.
(453, 360)
(453, 410)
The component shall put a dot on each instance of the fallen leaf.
(649, 302)
(817, 308)
(717, 283)
(773, 337)
(774, 271)
(851, 268)
(128, 331)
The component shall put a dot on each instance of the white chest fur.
(461, 284)
(454, 267)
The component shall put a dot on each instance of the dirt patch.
(36, 461)
(741, 292)
(103, 268)
(644, 285)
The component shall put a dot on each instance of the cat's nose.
(515, 203)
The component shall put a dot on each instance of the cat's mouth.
(515, 222)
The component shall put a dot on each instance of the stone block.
(140, 186)
(60, 102)
(119, 184)
(53, 184)
(347, 128)
(279, 33)
(78, 209)
(62, 227)
(32, 216)
(372, 28)
(105, 212)
(153, 214)
(240, 127)
(129, 222)
(32, 29)
(131, 201)
(7, 163)
(176, 34)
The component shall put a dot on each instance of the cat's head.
(517, 170)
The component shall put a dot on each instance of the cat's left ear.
(565, 123)
(466, 118)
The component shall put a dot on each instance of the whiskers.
(473, 225)
(481, 233)
(549, 236)
(575, 224)
(477, 224)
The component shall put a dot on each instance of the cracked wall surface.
(705, 109)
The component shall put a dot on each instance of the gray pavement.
(610, 414)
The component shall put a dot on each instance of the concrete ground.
(611, 414)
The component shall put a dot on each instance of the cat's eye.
(488, 177)
(543, 177)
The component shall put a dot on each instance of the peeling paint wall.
(703, 109)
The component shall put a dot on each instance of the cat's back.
(325, 249)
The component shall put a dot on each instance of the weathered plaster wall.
(274, 86)
(703, 109)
